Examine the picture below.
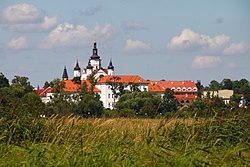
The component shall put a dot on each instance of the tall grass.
(74, 141)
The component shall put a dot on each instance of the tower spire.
(77, 67)
(110, 64)
(65, 74)
(95, 52)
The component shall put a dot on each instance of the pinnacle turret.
(77, 67)
(111, 65)
(95, 52)
(65, 74)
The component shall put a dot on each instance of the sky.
(164, 39)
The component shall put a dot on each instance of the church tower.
(89, 69)
(77, 72)
(95, 60)
(65, 74)
(111, 68)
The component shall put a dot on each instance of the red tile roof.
(71, 86)
(43, 92)
(177, 86)
(123, 79)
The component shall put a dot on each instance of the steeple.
(111, 68)
(65, 74)
(95, 52)
(111, 65)
(89, 66)
(77, 67)
(89, 69)
(77, 72)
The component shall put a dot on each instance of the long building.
(108, 85)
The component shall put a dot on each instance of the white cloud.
(192, 41)
(136, 45)
(202, 62)
(133, 25)
(26, 18)
(233, 49)
(18, 43)
(67, 34)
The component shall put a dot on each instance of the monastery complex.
(106, 85)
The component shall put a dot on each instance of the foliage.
(4, 82)
(169, 102)
(57, 85)
(143, 103)
(89, 105)
(73, 141)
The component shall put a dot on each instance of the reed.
(76, 141)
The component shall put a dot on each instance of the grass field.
(74, 141)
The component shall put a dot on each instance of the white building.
(224, 94)
(109, 87)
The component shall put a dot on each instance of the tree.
(57, 85)
(214, 85)
(19, 81)
(46, 85)
(93, 80)
(4, 82)
(227, 84)
(89, 105)
(169, 102)
(117, 88)
(143, 103)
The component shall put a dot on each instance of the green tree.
(4, 82)
(143, 103)
(214, 85)
(61, 104)
(89, 105)
(46, 85)
(93, 81)
(23, 82)
(227, 84)
(57, 85)
(169, 102)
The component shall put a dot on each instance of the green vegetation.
(75, 141)
(206, 133)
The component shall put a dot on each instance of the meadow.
(76, 141)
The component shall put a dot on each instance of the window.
(109, 95)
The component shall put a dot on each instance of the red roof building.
(184, 91)
(72, 87)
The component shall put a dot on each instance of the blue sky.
(164, 39)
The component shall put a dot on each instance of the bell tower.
(95, 60)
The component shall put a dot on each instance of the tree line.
(19, 98)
